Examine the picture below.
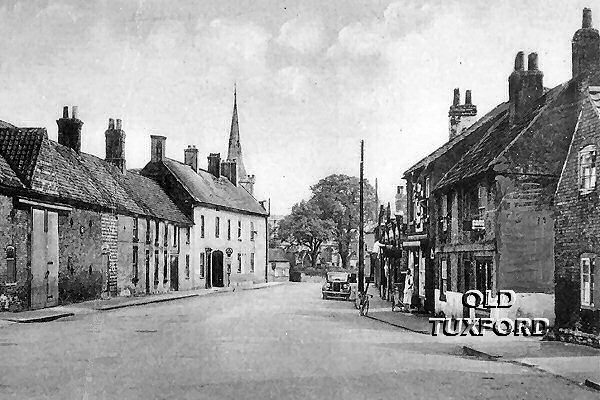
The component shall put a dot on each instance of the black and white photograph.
(275, 199)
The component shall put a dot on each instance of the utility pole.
(361, 238)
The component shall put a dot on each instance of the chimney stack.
(115, 145)
(157, 148)
(525, 87)
(214, 164)
(190, 157)
(461, 116)
(229, 170)
(69, 129)
(585, 46)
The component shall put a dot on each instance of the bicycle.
(363, 307)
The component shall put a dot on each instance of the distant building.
(279, 266)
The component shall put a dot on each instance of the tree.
(337, 196)
(304, 227)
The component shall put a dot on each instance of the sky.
(313, 77)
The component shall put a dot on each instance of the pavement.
(283, 342)
(113, 303)
(577, 363)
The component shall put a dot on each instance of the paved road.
(277, 343)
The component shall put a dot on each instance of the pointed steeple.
(235, 148)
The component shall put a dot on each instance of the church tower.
(235, 150)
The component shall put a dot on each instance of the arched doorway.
(217, 268)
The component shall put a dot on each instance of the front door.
(174, 272)
(44, 258)
(217, 268)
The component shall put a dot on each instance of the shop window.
(11, 265)
(587, 281)
(587, 168)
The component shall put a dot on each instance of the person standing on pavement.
(408, 289)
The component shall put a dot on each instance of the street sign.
(229, 251)
(478, 224)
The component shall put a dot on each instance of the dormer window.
(587, 169)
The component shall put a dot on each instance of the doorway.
(217, 268)
(44, 258)
(174, 273)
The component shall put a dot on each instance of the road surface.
(282, 342)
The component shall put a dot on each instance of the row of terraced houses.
(75, 226)
(511, 200)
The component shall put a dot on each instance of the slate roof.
(48, 168)
(207, 189)
(534, 146)
(478, 128)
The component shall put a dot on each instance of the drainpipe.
(267, 243)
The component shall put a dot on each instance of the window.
(147, 231)
(165, 267)
(587, 168)
(187, 266)
(11, 265)
(239, 230)
(187, 235)
(217, 227)
(134, 274)
(443, 278)
(444, 212)
(202, 265)
(482, 201)
(175, 236)
(427, 187)
(135, 229)
(156, 260)
(148, 267)
(239, 269)
(252, 263)
(156, 232)
(587, 274)
(251, 230)
(228, 229)
(202, 226)
(166, 235)
(46, 221)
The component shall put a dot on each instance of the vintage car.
(337, 285)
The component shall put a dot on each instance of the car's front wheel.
(324, 296)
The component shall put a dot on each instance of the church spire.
(235, 148)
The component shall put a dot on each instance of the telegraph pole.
(361, 238)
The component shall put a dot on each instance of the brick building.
(68, 217)
(577, 203)
(494, 210)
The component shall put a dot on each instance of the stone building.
(70, 217)
(230, 233)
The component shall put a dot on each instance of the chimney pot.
(75, 112)
(65, 112)
(118, 127)
(587, 18)
(157, 147)
(468, 97)
(456, 100)
(532, 62)
(111, 123)
(520, 61)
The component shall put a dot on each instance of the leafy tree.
(305, 227)
(337, 196)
